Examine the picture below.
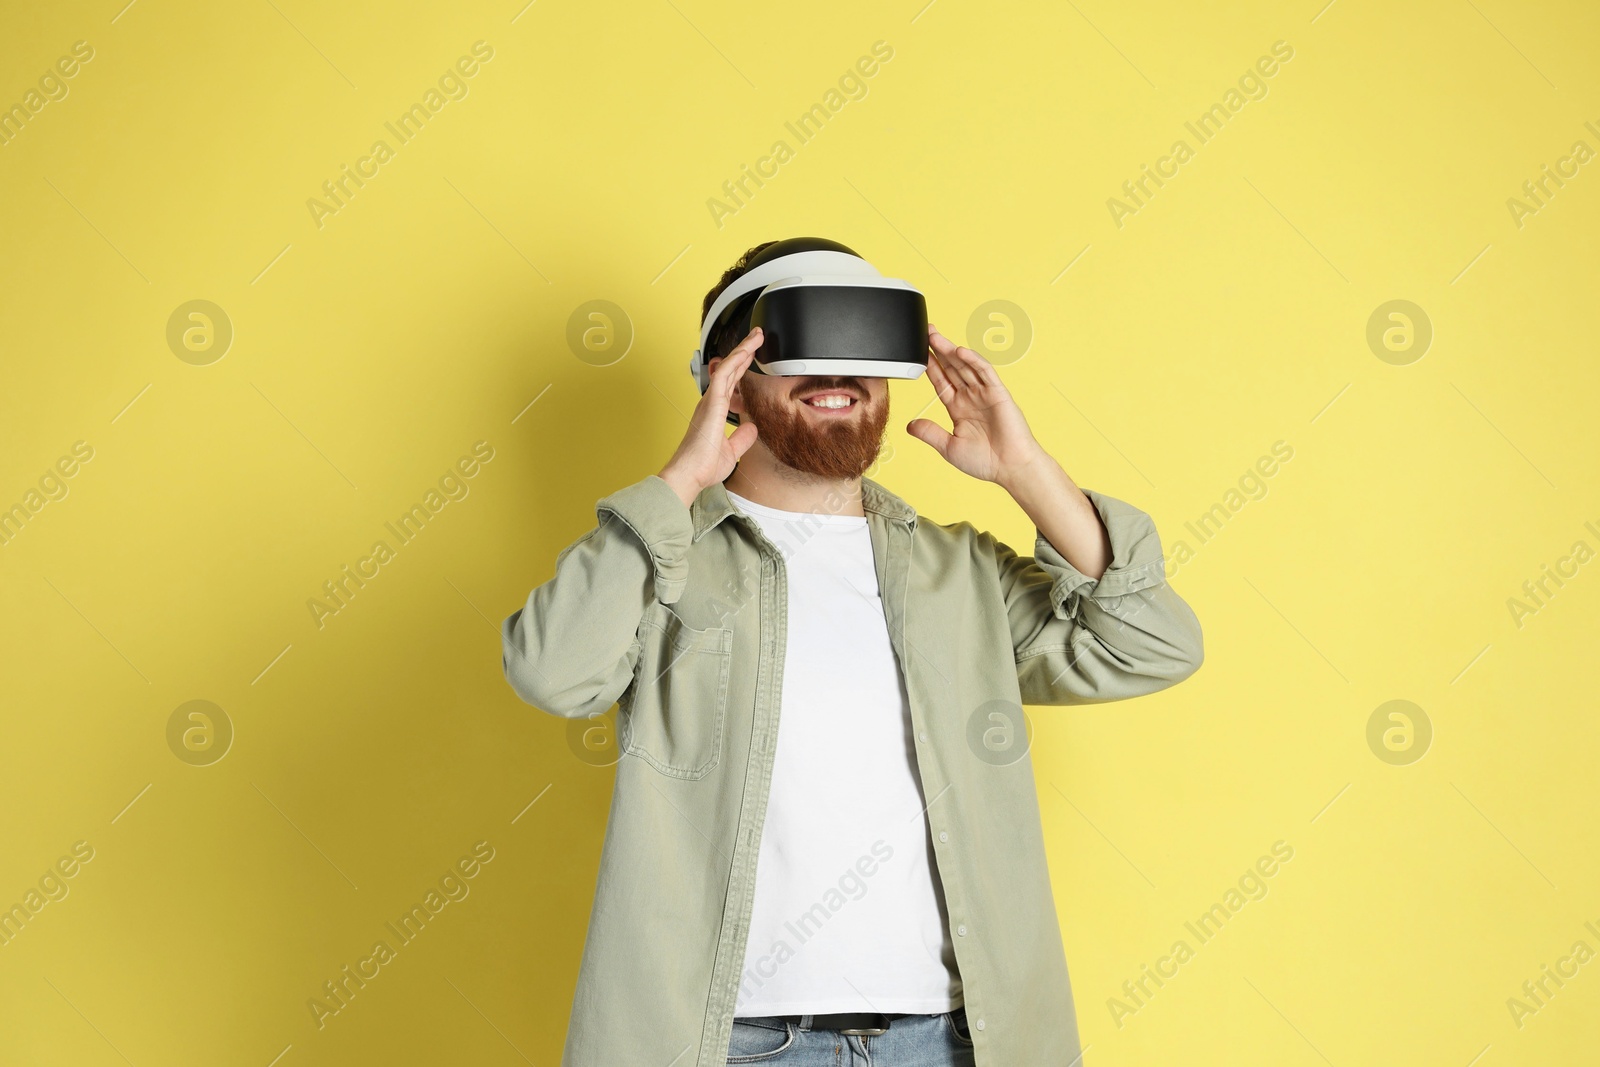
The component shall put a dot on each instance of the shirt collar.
(713, 505)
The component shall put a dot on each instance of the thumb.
(742, 438)
(930, 432)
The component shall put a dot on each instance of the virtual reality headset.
(823, 310)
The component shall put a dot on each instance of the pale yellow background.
(1228, 314)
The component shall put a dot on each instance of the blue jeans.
(912, 1041)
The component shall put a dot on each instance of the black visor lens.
(826, 322)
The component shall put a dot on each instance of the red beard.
(836, 447)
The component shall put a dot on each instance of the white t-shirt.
(848, 914)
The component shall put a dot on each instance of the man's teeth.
(831, 401)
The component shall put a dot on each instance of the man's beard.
(844, 449)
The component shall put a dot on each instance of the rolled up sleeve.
(1081, 640)
(572, 647)
(663, 525)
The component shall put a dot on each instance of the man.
(824, 837)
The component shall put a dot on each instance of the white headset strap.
(790, 266)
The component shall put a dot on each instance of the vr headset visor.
(823, 311)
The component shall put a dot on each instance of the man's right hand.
(707, 454)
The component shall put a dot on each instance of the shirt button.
(943, 836)
(961, 930)
(923, 736)
(979, 1024)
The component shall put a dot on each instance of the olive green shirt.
(679, 615)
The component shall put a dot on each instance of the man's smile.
(832, 402)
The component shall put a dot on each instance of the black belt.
(852, 1022)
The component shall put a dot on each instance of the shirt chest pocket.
(672, 715)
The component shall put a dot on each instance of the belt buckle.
(870, 1030)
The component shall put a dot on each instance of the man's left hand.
(989, 438)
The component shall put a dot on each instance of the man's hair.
(717, 344)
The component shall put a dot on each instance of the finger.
(742, 438)
(728, 370)
(978, 365)
(930, 432)
(742, 353)
(943, 388)
(967, 365)
(954, 361)
(942, 347)
(942, 357)
(751, 342)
